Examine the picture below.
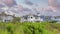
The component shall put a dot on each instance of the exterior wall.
(7, 18)
(46, 18)
(23, 20)
(27, 18)
(31, 19)
(56, 19)
(38, 19)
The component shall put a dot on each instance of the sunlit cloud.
(9, 2)
(54, 3)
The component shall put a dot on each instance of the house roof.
(4, 14)
(35, 15)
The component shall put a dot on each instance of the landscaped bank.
(30, 28)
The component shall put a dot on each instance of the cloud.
(28, 2)
(9, 2)
(20, 8)
(54, 3)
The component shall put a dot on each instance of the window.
(31, 17)
(25, 17)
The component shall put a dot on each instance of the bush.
(52, 21)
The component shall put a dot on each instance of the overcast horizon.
(44, 7)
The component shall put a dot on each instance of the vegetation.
(30, 28)
(16, 19)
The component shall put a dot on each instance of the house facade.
(31, 18)
(56, 18)
(5, 17)
(46, 18)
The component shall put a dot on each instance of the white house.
(56, 18)
(5, 17)
(31, 18)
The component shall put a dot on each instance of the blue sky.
(53, 5)
(45, 6)
(42, 3)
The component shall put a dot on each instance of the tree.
(16, 19)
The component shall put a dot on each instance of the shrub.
(52, 21)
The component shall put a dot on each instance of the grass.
(30, 28)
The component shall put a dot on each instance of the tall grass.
(30, 28)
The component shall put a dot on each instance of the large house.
(39, 18)
(56, 18)
(28, 18)
(31, 18)
(5, 17)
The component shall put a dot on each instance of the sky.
(53, 4)
(48, 7)
(41, 3)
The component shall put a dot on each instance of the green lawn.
(30, 28)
